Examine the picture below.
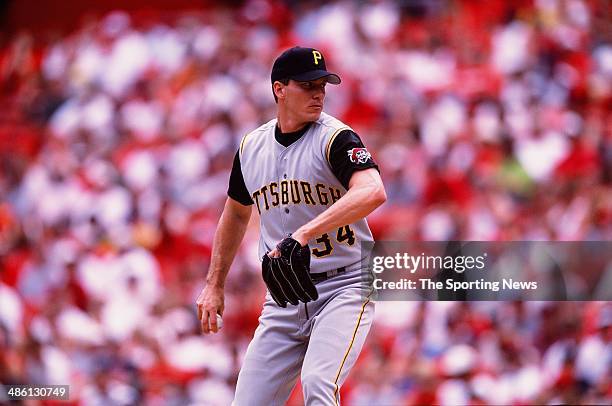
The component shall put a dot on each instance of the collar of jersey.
(286, 139)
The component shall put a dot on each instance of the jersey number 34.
(343, 235)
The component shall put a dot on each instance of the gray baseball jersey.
(292, 185)
(292, 178)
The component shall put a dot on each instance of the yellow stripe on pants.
(350, 346)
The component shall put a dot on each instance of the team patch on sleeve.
(359, 155)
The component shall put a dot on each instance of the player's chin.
(314, 113)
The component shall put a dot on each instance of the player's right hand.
(210, 302)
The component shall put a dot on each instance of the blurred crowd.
(490, 120)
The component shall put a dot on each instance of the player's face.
(305, 99)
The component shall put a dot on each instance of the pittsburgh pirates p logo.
(316, 55)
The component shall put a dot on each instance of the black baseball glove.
(288, 276)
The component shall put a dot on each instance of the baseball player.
(313, 182)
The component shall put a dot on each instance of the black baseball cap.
(303, 65)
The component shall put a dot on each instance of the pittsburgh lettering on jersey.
(294, 191)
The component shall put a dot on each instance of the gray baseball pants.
(322, 340)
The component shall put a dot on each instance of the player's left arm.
(365, 193)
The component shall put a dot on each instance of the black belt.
(323, 276)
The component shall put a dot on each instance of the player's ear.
(279, 89)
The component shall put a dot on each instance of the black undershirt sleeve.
(237, 189)
(348, 155)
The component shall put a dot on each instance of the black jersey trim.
(331, 141)
(237, 189)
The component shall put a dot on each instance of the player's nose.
(319, 93)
